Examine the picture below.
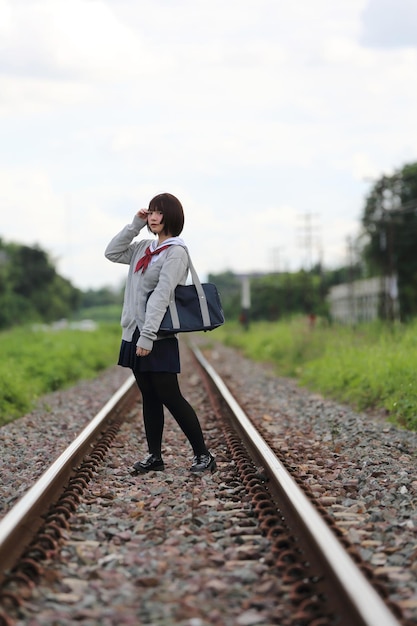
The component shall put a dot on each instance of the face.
(155, 222)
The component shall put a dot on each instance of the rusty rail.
(22, 522)
(356, 601)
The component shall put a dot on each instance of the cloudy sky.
(267, 118)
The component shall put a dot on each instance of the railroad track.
(350, 595)
(327, 585)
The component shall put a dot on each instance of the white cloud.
(254, 114)
(31, 211)
(82, 39)
(390, 23)
(363, 167)
(32, 96)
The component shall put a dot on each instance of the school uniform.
(154, 272)
(142, 314)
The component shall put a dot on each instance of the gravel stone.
(170, 548)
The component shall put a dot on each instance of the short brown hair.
(172, 212)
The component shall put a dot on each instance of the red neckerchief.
(146, 259)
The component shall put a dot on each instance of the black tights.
(161, 389)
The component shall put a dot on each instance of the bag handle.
(202, 300)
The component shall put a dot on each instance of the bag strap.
(202, 300)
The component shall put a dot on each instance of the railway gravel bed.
(165, 548)
(170, 548)
(360, 468)
(30, 444)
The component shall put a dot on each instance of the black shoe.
(202, 463)
(151, 463)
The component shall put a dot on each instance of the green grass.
(108, 313)
(372, 366)
(35, 362)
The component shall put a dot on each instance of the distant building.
(364, 300)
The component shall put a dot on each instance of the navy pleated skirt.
(164, 356)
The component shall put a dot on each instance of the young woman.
(158, 266)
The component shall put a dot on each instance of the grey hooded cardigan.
(168, 269)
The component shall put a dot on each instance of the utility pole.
(390, 207)
(308, 238)
(245, 302)
(351, 296)
(275, 256)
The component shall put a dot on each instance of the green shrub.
(371, 366)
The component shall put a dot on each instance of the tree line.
(281, 294)
(385, 246)
(31, 290)
(390, 234)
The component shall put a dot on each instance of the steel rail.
(359, 596)
(20, 524)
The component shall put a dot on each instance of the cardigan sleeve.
(120, 249)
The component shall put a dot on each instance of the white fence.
(364, 300)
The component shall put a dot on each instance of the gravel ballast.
(361, 468)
